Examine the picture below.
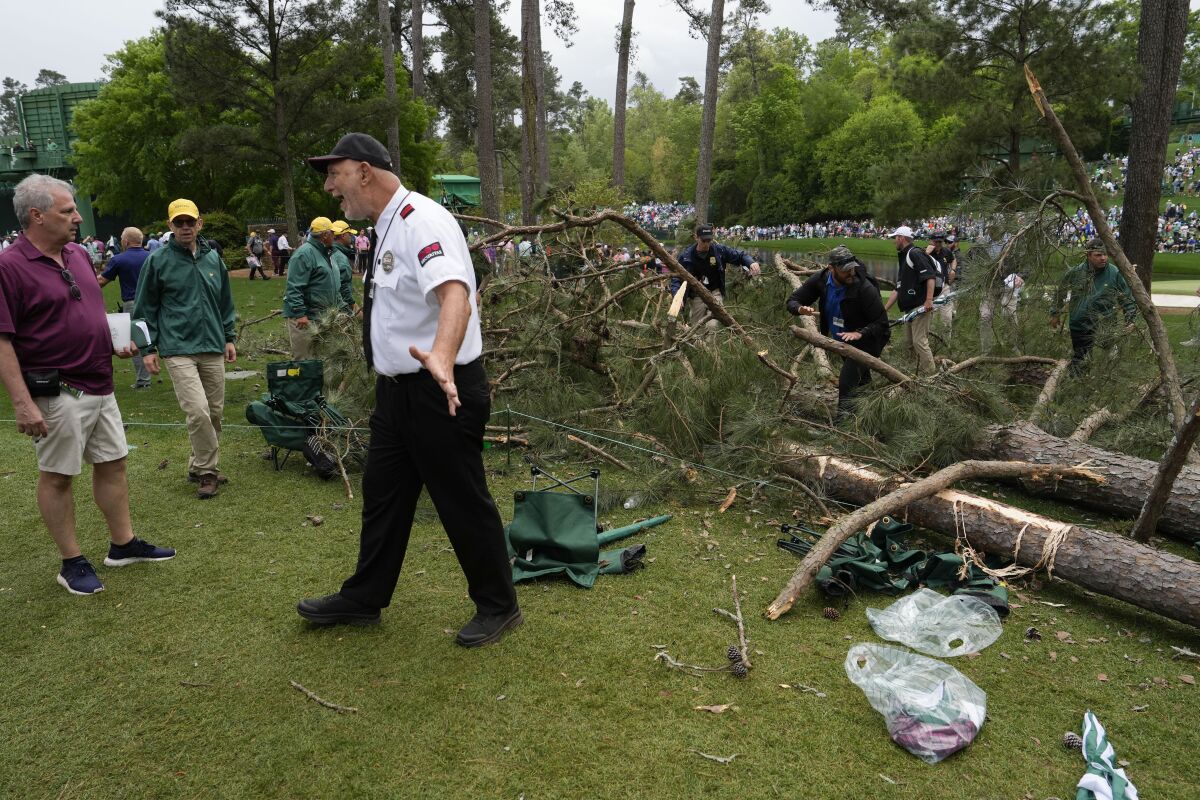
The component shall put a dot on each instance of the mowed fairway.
(174, 682)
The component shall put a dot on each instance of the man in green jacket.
(1096, 288)
(184, 296)
(313, 286)
(343, 259)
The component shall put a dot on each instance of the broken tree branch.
(591, 448)
(323, 702)
(1168, 470)
(1176, 409)
(853, 353)
(1048, 391)
(807, 323)
(975, 361)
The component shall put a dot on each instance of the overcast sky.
(74, 36)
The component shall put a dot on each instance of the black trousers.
(260, 269)
(416, 444)
(1081, 346)
(854, 376)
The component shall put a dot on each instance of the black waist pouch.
(42, 382)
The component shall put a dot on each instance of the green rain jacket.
(1094, 296)
(313, 284)
(342, 258)
(185, 300)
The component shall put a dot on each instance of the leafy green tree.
(850, 157)
(268, 83)
(47, 78)
(127, 151)
(10, 90)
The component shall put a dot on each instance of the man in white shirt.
(422, 336)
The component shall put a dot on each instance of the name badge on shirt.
(388, 261)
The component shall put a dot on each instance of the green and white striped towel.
(1104, 780)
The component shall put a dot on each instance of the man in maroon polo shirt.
(56, 364)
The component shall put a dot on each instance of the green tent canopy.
(456, 191)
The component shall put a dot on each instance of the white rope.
(1056, 534)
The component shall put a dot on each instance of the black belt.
(424, 374)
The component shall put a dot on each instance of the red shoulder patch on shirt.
(429, 251)
(404, 212)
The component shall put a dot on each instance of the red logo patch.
(404, 212)
(429, 251)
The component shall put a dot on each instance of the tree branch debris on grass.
(320, 701)
(738, 655)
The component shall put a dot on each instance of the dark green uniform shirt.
(343, 257)
(185, 300)
(1094, 296)
(313, 284)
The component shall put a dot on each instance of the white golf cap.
(904, 231)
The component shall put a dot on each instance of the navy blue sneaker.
(78, 576)
(134, 551)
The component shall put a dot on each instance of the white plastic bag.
(931, 709)
(938, 626)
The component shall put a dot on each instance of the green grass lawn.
(174, 682)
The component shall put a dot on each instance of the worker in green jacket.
(343, 259)
(1096, 289)
(313, 286)
(184, 297)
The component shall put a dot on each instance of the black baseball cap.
(356, 147)
(704, 232)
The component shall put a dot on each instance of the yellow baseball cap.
(182, 208)
(341, 226)
(321, 225)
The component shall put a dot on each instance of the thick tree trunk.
(1092, 559)
(1161, 32)
(618, 176)
(485, 136)
(384, 7)
(531, 67)
(285, 169)
(1126, 479)
(418, 49)
(708, 119)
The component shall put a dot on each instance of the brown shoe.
(208, 487)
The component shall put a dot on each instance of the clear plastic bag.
(938, 626)
(932, 710)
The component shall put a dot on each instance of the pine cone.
(831, 613)
(739, 670)
(733, 654)
(1072, 741)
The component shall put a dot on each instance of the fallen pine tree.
(1125, 480)
(1092, 559)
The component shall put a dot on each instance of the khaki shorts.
(86, 428)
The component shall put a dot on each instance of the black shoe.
(488, 628)
(334, 609)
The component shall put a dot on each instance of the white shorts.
(86, 428)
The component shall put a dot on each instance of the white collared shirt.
(420, 247)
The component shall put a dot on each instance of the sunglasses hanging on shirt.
(76, 294)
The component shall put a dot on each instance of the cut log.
(1092, 559)
(1126, 484)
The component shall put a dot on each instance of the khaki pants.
(918, 339)
(300, 339)
(697, 309)
(200, 389)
